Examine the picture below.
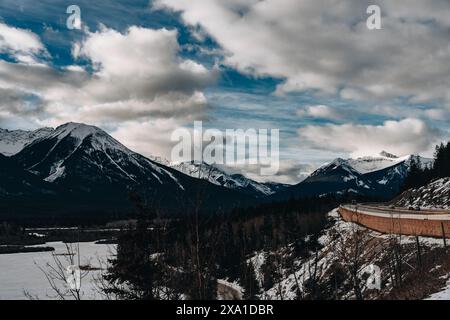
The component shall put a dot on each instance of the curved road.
(399, 213)
(387, 219)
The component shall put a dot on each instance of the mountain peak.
(101, 140)
(77, 130)
(334, 164)
(388, 155)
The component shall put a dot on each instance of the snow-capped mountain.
(380, 176)
(389, 177)
(213, 174)
(338, 171)
(385, 160)
(370, 164)
(13, 141)
(80, 168)
(55, 157)
(435, 195)
(92, 171)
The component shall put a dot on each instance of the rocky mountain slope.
(231, 181)
(435, 195)
(92, 172)
(380, 177)
(85, 167)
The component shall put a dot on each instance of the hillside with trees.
(420, 175)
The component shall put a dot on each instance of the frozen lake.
(20, 272)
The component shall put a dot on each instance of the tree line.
(420, 174)
(183, 258)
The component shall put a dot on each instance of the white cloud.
(399, 111)
(139, 83)
(402, 137)
(138, 71)
(290, 172)
(141, 68)
(21, 44)
(325, 45)
(437, 114)
(150, 138)
(320, 112)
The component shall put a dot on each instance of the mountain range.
(378, 177)
(234, 181)
(80, 170)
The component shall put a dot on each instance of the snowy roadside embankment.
(329, 272)
(435, 195)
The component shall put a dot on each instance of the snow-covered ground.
(227, 290)
(441, 295)
(327, 256)
(435, 195)
(20, 272)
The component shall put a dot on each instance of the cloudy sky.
(140, 69)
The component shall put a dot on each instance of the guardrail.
(429, 223)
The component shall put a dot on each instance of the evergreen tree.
(415, 173)
(133, 272)
(249, 281)
(269, 271)
(441, 167)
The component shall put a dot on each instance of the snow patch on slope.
(56, 172)
(202, 170)
(435, 195)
